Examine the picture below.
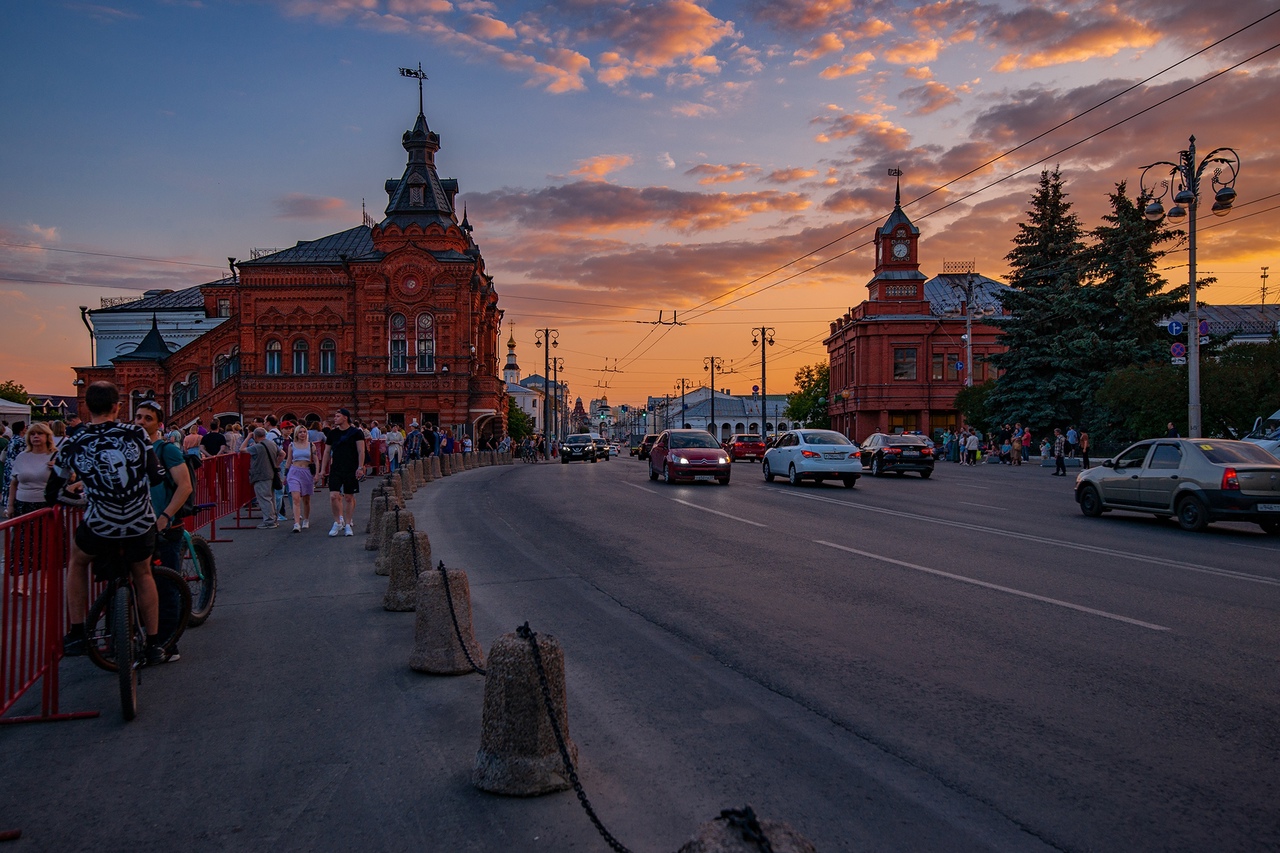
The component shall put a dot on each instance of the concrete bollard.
(486, 458)
(406, 482)
(436, 472)
(377, 508)
(518, 751)
(725, 835)
(393, 522)
(409, 554)
(415, 471)
(393, 483)
(436, 649)
(446, 464)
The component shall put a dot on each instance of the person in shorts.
(117, 466)
(344, 464)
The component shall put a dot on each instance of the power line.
(109, 255)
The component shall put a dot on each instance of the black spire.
(151, 348)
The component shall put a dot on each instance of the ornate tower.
(897, 276)
(511, 372)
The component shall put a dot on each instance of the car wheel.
(593, 460)
(768, 474)
(1271, 527)
(666, 474)
(1192, 514)
(724, 481)
(564, 459)
(792, 476)
(924, 475)
(876, 470)
(849, 482)
(653, 475)
(1090, 502)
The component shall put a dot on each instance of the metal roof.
(945, 293)
(355, 244)
(1240, 320)
(187, 299)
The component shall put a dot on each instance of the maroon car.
(745, 446)
(690, 455)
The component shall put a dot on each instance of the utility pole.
(713, 364)
(763, 333)
(557, 365)
(683, 385)
(1264, 292)
(552, 338)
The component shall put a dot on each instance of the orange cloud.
(692, 110)
(855, 64)
(924, 72)
(819, 47)
(1103, 39)
(486, 28)
(802, 15)
(931, 97)
(909, 53)
(789, 175)
(596, 168)
(712, 173)
(301, 206)
(892, 137)
(653, 37)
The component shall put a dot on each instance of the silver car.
(1195, 480)
(813, 454)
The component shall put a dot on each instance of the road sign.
(1178, 360)
(1204, 327)
(1175, 328)
(959, 365)
(1178, 350)
(1204, 339)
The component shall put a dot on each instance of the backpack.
(188, 507)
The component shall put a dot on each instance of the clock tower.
(897, 275)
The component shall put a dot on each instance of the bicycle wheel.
(97, 627)
(174, 605)
(123, 627)
(201, 576)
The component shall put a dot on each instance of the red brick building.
(897, 360)
(395, 321)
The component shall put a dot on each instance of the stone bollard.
(409, 554)
(446, 464)
(406, 482)
(487, 458)
(518, 751)
(433, 465)
(436, 649)
(377, 508)
(725, 835)
(393, 522)
(415, 471)
(393, 483)
(469, 461)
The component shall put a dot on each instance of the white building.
(180, 316)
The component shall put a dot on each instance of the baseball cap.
(345, 412)
(153, 406)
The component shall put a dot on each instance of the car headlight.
(724, 460)
(680, 460)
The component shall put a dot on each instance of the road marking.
(987, 506)
(997, 587)
(1254, 547)
(1044, 540)
(641, 488)
(719, 513)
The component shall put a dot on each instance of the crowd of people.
(1010, 444)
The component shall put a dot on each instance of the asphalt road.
(963, 663)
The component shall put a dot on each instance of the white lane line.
(1254, 547)
(986, 506)
(997, 587)
(641, 488)
(719, 513)
(1027, 537)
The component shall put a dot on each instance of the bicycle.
(198, 571)
(114, 615)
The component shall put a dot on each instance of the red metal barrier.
(377, 455)
(32, 616)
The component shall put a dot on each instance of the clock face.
(900, 250)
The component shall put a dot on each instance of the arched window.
(226, 366)
(399, 344)
(426, 348)
(272, 365)
(738, 427)
(328, 356)
(300, 356)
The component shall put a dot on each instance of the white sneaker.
(297, 528)
(346, 531)
(336, 529)
(306, 522)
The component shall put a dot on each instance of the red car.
(688, 454)
(744, 446)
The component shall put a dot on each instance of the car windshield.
(1235, 453)
(748, 439)
(578, 439)
(692, 439)
(824, 437)
(907, 441)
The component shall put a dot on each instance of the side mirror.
(1109, 464)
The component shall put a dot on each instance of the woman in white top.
(299, 480)
(26, 494)
(395, 446)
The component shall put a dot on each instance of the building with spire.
(898, 359)
(396, 320)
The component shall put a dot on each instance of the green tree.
(972, 403)
(808, 404)
(1042, 380)
(519, 424)
(12, 390)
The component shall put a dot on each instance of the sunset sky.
(617, 158)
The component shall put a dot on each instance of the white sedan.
(814, 454)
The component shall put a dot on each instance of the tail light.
(857, 454)
(894, 451)
(1230, 482)
(926, 451)
(809, 454)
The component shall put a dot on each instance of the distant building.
(180, 315)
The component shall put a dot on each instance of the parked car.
(578, 447)
(744, 446)
(645, 444)
(1194, 480)
(1266, 434)
(813, 454)
(882, 453)
(688, 454)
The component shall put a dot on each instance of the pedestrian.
(1015, 446)
(395, 446)
(214, 442)
(344, 466)
(74, 424)
(1026, 443)
(466, 445)
(447, 443)
(170, 494)
(1059, 454)
(1173, 431)
(17, 444)
(1073, 438)
(971, 448)
(234, 437)
(191, 442)
(413, 442)
(1084, 450)
(262, 473)
(59, 430)
(300, 479)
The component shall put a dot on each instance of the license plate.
(1269, 507)
(704, 477)
(833, 456)
(910, 453)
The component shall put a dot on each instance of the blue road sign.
(1204, 327)
(1178, 350)
(959, 365)
(1175, 328)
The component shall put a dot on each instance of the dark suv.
(882, 453)
(645, 444)
(578, 447)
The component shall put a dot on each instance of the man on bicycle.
(117, 466)
(168, 496)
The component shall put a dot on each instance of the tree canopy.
(12, 390)
(807, 405)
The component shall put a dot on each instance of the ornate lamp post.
(682, 386)
(713, 364)
(763, 333)
(1183, 185)
(552, 338)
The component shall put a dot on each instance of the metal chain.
(453, 614)
(525, 632)
(744, 820)
(413, 546)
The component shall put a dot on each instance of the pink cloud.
(301, 206)
(789, 175)
(596, 168)
(713, 173)
(930, 97)
(819, 47)
(855, 64)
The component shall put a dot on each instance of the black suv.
(882, 453)
(578, 447)
(645, 444)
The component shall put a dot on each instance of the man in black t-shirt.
(214, 440)
(344, 463)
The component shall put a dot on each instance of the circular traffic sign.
(1175, 328)
(1204, 327)
(959, 365)
(1178, 350)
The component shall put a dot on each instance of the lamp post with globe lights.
(1182, 184)
(551, 338)
(762, 337)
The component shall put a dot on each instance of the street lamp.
(683, 385)
(763, 333)
(1183, 185)
(713, 364)
(551, 336)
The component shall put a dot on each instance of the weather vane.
(419, 75)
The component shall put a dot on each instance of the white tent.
(11, 411)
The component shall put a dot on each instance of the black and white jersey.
(117, 466)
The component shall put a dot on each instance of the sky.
(621, 161)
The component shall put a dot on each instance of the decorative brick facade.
(395, 321)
